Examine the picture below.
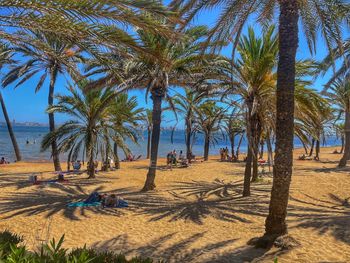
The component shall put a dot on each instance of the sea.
(168, 141)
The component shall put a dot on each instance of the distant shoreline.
(25, 124)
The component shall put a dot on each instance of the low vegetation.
(13, 251)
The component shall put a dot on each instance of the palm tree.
(209, 118)
(340, 54)
(186, 106)
(124, 116)
(47, 56)
(324, 15)
(6, 58)
(255, 80)
(234, 126)
(339, 94)
(340, 132)
(88, 128)
(176, 62)
(79, 21)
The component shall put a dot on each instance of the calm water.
(32, 151)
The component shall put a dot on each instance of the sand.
(196, 214)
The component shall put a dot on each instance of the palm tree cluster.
(261, 93)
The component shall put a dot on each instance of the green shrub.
(8, 239)
(53, 252)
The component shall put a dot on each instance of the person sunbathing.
(112, 201)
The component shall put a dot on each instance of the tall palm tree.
(339, 94)
(253, 74)
(47, 56)
(6, 58)
(88, 128)
(177, 60)
(324, 15)
(209, 119)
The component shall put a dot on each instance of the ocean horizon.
(34, 134)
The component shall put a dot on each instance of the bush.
(11, 252)
(7, 239)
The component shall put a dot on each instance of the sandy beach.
(196, 214)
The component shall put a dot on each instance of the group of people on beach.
(224, 154)
(173, 160)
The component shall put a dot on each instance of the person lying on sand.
(111, 200)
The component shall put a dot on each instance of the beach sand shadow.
(196, 200)
(322, 215)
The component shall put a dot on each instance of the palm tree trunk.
(188, 139)
(317, 157)
(10, 130)
(346, 155)
(116, 156)
(247, 172)
(157, 97)
(342, 143)
(149, 132)
(69, 158)
(288, 43)
(261, 154)
(305, 147)
(206, 146)
(55, 153)
(269, 150)
(91, 166)
(239, 146)
(312, 147)
(232, 140)
(90, 144)
(255, 138)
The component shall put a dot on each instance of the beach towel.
(94, 200)
(94, 197)
(83, 204)
(121, 204)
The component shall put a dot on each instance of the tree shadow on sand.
(197, 200)
(324, 169)
(184, 249)
(195, 248)
(332, 215)
(20, 180)
(53, 201)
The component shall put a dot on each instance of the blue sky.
(24, 105)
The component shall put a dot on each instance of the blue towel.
(94, 197)
(83, 204)
(122, 204)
